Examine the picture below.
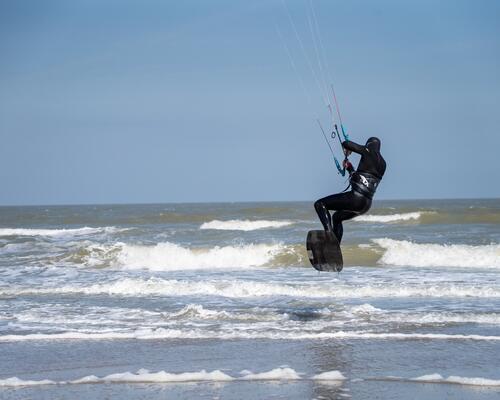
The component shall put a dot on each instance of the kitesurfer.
(363, 182)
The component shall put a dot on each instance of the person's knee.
(318, 205)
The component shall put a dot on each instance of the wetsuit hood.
(373, 144)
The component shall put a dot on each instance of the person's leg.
(347, 205)
(339, 201)
(324, 215)
(358, 204)
(337, 218)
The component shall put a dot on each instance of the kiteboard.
(323, 250)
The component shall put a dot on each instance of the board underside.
(324, 252)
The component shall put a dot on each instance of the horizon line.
(233, 202)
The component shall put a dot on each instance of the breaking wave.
(435, 216)
(244, 225)
(316, 319)
(197, 311)
(276, 374)
(419, 318)
(437, 378)
(458, 380)
(57, 232)
(145, 376)
(16, 382)
(272, 334)
(170, 256)
(242, 289)
(406, 253)
(389, 218)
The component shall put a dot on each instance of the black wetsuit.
(364, 182)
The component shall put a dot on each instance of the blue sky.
(163, 101)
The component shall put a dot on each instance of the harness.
(365, 183)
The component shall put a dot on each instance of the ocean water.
(212, 301)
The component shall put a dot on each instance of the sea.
(219, 301)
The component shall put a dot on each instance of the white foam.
(244, 225)
(389, 218)
(365, 309)
(232, 334)
(220, 323)
(430, 377)
(169, 256)
(56, 232)
(173, 287)
(141, 376)
(145, 376)
(437, 378)
(15, 247)
(406, 253)
(406, 317)
(329, 376)
(15, 382)
(243, 288)
(199, 311)
(444, 318)
(276, 374)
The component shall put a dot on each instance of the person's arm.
(356, 148)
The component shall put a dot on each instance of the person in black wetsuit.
(363, 181)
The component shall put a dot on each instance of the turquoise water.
(138, 299)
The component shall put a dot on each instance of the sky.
(164, 101)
